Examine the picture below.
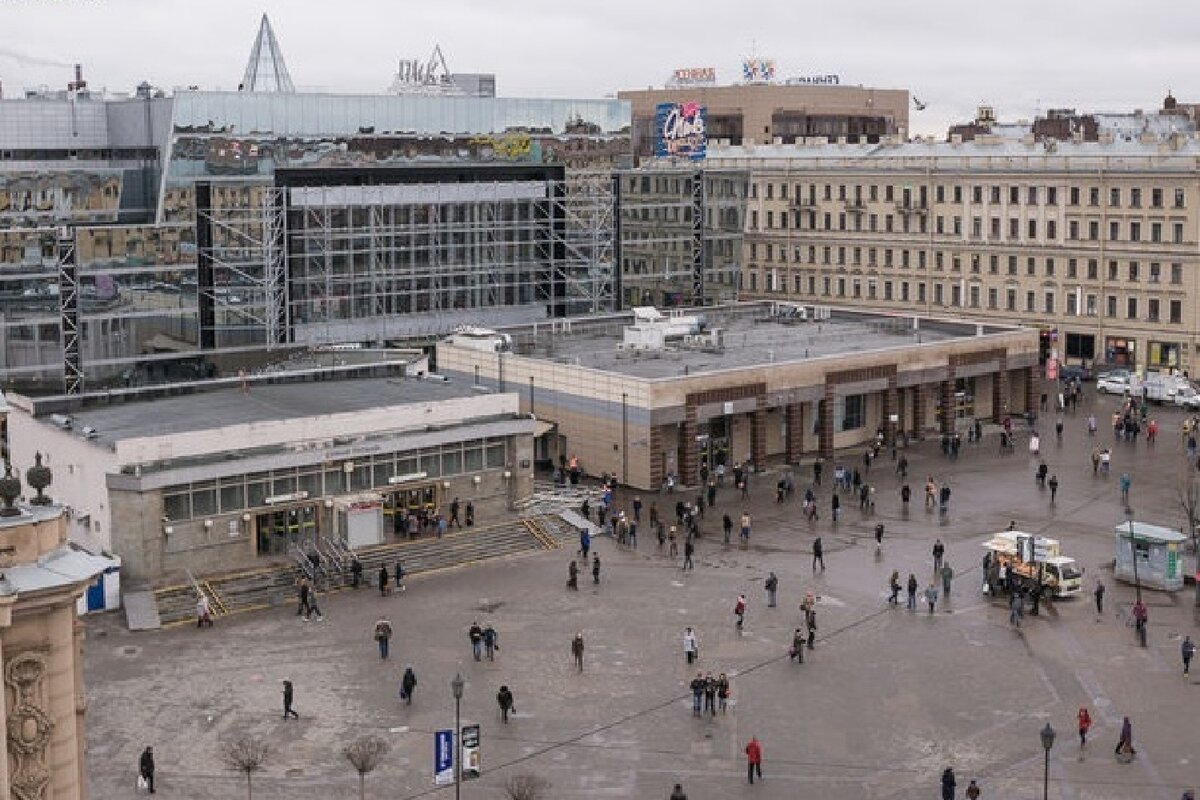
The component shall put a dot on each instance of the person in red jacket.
(753, 759)
(1085, 723)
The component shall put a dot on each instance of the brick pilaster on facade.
(890, 408)
(946, 407)
(918, 417)
(758, 434)
(825, 423)
(794, 446)
(657, 457)
(1000, 391)
(689, 450)
(1032, 389)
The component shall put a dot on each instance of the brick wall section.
(794, 450)
(825, 423)
(689, 451)
(1000, 391)
(890, 407)
(758, 434)
(657, 458)
(918, 417)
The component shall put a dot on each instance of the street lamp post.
(1047, 743)
(456, 686)
(1137, 584)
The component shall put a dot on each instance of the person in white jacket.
(691, 646)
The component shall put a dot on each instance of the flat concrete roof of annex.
(751, 338)
(206, 410)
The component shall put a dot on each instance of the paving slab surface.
(885, 701)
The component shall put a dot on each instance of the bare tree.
(364, 754)
(525, 787)
(1187, 491)
(246, 754)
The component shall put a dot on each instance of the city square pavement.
(885, 701)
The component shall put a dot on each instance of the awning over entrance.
(542, 428)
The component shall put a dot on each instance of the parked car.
(1074, 372)
(1113, 373)
(1187, 397)
(1122, 385)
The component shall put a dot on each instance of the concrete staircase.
(258, 589)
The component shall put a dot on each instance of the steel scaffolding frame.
(68, 304)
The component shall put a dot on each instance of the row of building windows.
(1135, 271)
(1118, 197)
(241, 492)
(1118, 231)
(1076, 303)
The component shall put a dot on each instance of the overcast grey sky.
(1019, 55)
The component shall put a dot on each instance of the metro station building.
(643, 395)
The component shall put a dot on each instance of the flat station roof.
(261, 403)
(750, 337)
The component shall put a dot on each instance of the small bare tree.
(364, 754)
(246, 754)
(1187, 490)
(525, 787)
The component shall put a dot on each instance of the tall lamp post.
(1137, 584)
(456, 686)
(1047, 743)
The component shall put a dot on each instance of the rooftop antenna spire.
(266, 70)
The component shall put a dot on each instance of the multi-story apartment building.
(1097, 243)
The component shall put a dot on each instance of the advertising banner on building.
(694, 76)
(472, 765)
(443, 757)
(758, 70)
(680, 131)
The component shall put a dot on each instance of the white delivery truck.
(1030, 556)
(1162, 388)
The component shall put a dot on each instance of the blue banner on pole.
(443, 757)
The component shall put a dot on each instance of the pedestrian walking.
(911, 587)
(727, 527)
(939, 550)
(771, 585)
(948, 784)
(1126, 482)
(797, 652)
(454, 506)
(585, 543)
(1016, 607)
(688, 549)
(146, 769)
(383, 581)
(710, 695)
(723, 691)
(739, 611)
(744, 533)
(637, 508)
(1099, 595)
(475, 635)
(356, 572)
(1053, 487)
(491, 641)
(691, 646)
(810, 625)
(753, 759)
(818, 554)
(1125, 743)
(678, 794)
(835, 508)
(931, 596)
(289, 694)
(697, 686)
(313, 608)
(573, 576)
(596, 569)
(504, 698)
(577, 650)
(894, 588)
(408, 684)
(303, 589)
(203, 612)
(1187, 650)
(947, 576)
(1085, 724)
(878, 538)
(973, 791)
(383, 636)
